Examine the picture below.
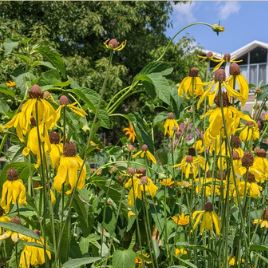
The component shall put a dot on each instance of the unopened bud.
(47, 95)
(16, 220)
(130, 147)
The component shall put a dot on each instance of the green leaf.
(162, 86)
(50, 77)
(124, 259)
(86, 98)
(19, 229)
(79, 262)
(157, 67)
(189, 264)
(7, 92)
(53, 57)
(9, 46)
(258, 248)
(4, 107)
(104, 119)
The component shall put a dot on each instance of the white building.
(254, 63)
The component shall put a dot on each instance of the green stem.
(181, 30)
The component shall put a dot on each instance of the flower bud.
(12, 174)
(234, 69)
(38, 232)
(35, 92)
(54, 137)
(208, 207)
(247, 160)
(219, 75)
(64, 100)
(193, 72)
(69, 149)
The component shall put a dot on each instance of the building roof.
(241, 51)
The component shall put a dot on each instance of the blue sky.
(243, 22)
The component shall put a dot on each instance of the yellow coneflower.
(261, 164)
(14, 236)
(10, 83)
(114, 45)
(130, 132)
(263, 222)
(35, 106)
(64, 102)
(34, 255)
(144, 152)
(233, 262)
(168, 182)
(69, 170)
(170, 125)
(180, 251)
(249, 131)
(191, 164)
(56, 149)
(138, 186)
(248, 187)
(209, 186)
(3, 218)
(199, 146)
(214, 87)
(225, 59)
(232, 119)
(236, 76)
(191, 85)
(208, 219)
(13, 191)
(33, 142)
(181, 219)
